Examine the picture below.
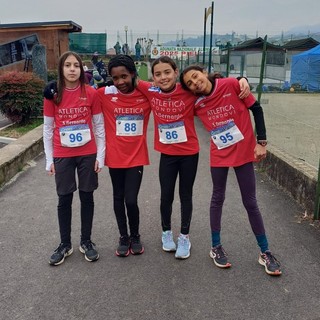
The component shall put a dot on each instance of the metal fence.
(88, 42)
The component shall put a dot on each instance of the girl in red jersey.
(126, 113)
(233, 144)
(175, 137)
(74, 139)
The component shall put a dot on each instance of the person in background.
(126, 113)
(74, 140)
(96, 80)
(233, 144)
(176, 139)
(117, 48)
(125, 49)
(138, 50)
(95, 58)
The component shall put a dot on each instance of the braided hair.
(123, 60)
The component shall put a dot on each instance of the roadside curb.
(294, 176)
(15, 155)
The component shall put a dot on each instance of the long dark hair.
(211, 76)
(61, 80)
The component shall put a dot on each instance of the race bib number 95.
(226, 136)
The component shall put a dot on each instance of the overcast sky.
(186, 17)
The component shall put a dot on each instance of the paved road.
(154, 285)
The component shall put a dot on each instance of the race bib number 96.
(75, 136)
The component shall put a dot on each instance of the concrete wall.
(294, 176)
(14, 156)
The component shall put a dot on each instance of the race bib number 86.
(172, 132)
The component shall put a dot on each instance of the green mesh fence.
(88, 42)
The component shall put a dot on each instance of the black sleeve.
(50, 90)
(259, 121)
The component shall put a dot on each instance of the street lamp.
(126, 31)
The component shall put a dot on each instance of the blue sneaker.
(184, 246)
(167, 241)
(270, 263)
(219, 257)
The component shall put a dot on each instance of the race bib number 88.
(129, 125)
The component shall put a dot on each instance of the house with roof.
(17, 40)
(245, 59)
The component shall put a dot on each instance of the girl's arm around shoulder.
(144, 86)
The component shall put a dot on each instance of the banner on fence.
(179, 52)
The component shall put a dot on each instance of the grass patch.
(16, 131)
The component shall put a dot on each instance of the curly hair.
(123, 60)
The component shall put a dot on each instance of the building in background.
(16, 42)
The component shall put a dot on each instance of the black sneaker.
(88, 248)
(123, 247)
(270, 263)
(136, 247)
(220, 257)
(64, 250)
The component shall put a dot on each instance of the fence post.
(228, 59)
(204, 37)
(263, 61)
(317, 202)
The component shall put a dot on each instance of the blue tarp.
(305, 69)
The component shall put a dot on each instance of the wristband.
(262, 142)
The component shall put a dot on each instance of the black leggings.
(126, 184)
(170, 167)
(65, 215)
